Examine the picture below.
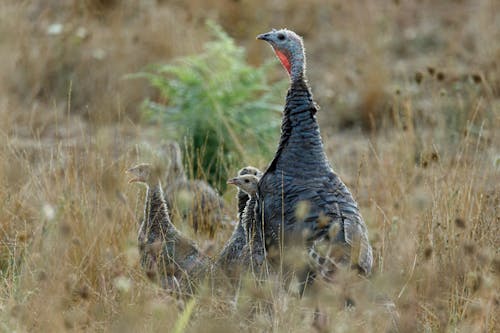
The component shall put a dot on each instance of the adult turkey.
(164, 251)
(192, 200)
(243, 248)
(300, 196)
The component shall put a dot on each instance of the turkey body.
(192, 200)
(245, 247)
(197, 202)
(300, 172)
(164, 250)
(241, 250)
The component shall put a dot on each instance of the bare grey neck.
(298, 64)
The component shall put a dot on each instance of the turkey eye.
(246, 180)
(281, 36)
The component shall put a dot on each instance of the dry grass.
(426, 172)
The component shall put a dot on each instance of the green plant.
(217, 105)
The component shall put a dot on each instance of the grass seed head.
(460, 223)
(419, 77)
(428, 252)
(477, 78)
(302, 210)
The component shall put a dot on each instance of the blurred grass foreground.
(410, 117)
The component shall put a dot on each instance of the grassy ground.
(410, 97)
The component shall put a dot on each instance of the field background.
(410, 116)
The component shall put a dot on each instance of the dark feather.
(300, 172)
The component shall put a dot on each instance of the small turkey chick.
(245, 247)
(163, 249)
(241, 196)
(194, 200)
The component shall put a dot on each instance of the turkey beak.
(232, 181)
(266, 37)
(133, 180)
(131, 173)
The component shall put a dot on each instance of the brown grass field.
(410, 115)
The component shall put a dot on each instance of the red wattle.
(284, 60)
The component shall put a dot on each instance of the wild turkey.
(238, 252)
(242, 196)
(194, 200)
(299, 191)
(245, 248)
(163, 249)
